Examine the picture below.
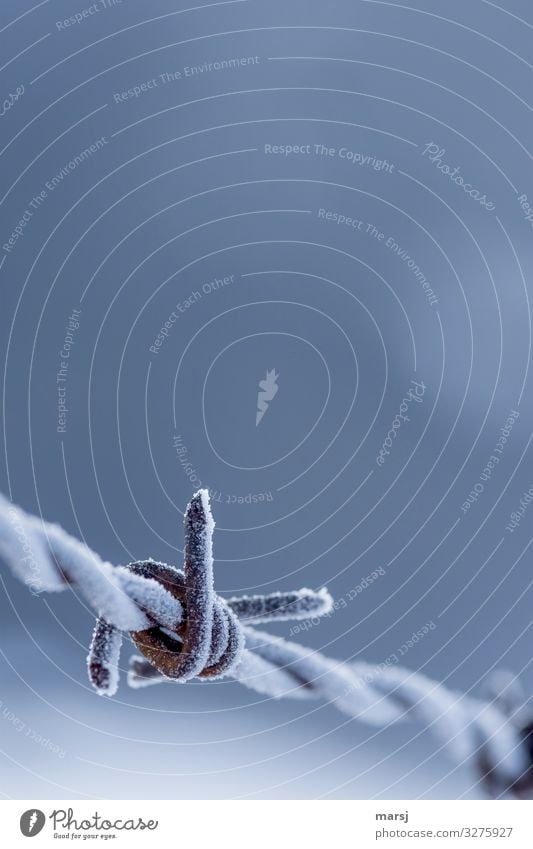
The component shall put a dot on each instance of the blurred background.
(194, 196)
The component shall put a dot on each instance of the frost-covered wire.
(47, 559)
(184, 630)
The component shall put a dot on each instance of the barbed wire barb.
(184, 630)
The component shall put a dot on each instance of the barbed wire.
(184, 630)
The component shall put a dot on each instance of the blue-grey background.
(180, 193)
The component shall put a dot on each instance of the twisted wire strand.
(184, 630)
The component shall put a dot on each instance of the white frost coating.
(276, 607)
(382, 695)
(449, 713)
(151, 595)
(203, 494)
(104, 657)
(500, 740)
(506, 692)
(385, 694)
(266, 678)
(45, 558)
(253, 671)
(25, 550)
(461, 723)
(199, 527)
(96, 580)
(137, 682)
(328, 679)
(376, 695)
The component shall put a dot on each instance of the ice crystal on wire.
(103, 658)
(184, 630)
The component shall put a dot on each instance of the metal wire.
(184, 630)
